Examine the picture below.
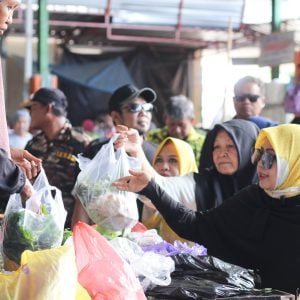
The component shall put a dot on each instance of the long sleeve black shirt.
(250, 229)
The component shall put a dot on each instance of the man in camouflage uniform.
(58, 142)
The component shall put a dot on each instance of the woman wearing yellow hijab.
(173, 157)
(256, 228)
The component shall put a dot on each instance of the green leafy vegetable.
(25, 230)
(67, 234)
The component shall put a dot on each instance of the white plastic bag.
(38, 225)
(150, 268)
(108, 207)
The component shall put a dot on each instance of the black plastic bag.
(204, 277)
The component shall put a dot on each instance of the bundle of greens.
(26, 230)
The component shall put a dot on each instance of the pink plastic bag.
(101, 271)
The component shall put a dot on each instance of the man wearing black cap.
(58, 143)
(131, 107)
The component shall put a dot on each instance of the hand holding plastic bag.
(40, 225)
(107, 206)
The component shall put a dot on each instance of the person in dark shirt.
(258, 227)
(15, 173)
(131, 107)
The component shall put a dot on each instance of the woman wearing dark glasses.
(258, 227)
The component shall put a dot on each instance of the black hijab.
(213, 187)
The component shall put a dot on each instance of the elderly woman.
(230, 147)
(258, 227)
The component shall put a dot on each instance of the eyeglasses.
(243, 97)
(136, 107)
(267, 158)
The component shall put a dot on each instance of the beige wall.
(13, 68)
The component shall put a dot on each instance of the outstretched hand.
(134, 183)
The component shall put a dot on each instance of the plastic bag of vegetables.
(108, 207)
(39, 225)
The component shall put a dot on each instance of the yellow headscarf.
(187, 164)
(285, 140)
(185, 154)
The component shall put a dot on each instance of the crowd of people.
(195, 186)
(234, 188)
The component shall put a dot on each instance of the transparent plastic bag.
(150, 268)
(145, 238)
(38, 225)
(108, 207)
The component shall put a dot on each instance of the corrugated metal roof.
(185, 23)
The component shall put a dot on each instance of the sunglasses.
(243, 97)
(136, 107)
(267, 158)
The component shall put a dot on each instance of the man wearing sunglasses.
(131, 107)
(248, 97)
(249, 100)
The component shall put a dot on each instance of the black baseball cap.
(128, 92)
(47, 96)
